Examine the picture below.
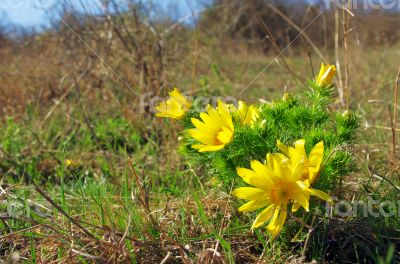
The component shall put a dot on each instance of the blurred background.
(122, 45)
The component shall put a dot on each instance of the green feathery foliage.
(307, 116)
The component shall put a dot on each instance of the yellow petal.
(272, 223)
(303, 200)
(242, 108)
(210, 122)
(225, 136)
(295, 207)
(297, 169)
(225, 116)
(254, 205)
(175, 107)
(317, 154)
(198, 124)
(315, 160)
(204, 138)
(205, 148)
(252, 178)
(264, 216)
(326, 74)
(248, 114)
(277, 165)
(282, 218)
(243, 172)
(170, 115)
(299, 146)
(320, 194)
(175, 94)
(259, 168)
(277, 222)
(321, 69)
(282, 147)
(249, 193)
(253, 114)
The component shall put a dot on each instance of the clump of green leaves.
(306, 116)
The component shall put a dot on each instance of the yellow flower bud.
(326, 74)
(285, 97)
(69, 163)
(346, 113)
(263, 123)
(248, 114)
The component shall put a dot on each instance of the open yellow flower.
(312, 163)
(175, 107)
(215, 130)
(325, 75)
(277, 183)
(248, 114)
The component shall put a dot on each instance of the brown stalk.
(325, 27)
(85, 116)
(311, 62)
(60, 100)
(2, 238)
(305, 36)
(196, 53)
(346, 21)
(394, 121)
(70, 218)
(274, 44)
(303, 253)
(222, 222)
(88, 256)
(338, 68)
(143, 199)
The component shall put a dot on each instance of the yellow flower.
(286, 97)
(248, 114)
(312, 163)
(175, 107)
(325, 75)
(346, 113)
(69, 163)
(276, 183)
(215, 130)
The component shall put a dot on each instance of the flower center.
(282, 192)
(305, 174)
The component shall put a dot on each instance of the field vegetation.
(88, 174)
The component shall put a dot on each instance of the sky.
(35, 13)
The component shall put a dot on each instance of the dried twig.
(338, 68)
(53, 203)
(166, 258)
(222, 222)
(274, 43)
(57, 103)
(18, 231)
(305, 36)
(394, 127)
(143, 196)
(310, 229)
(346, 26)
(88, 256)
